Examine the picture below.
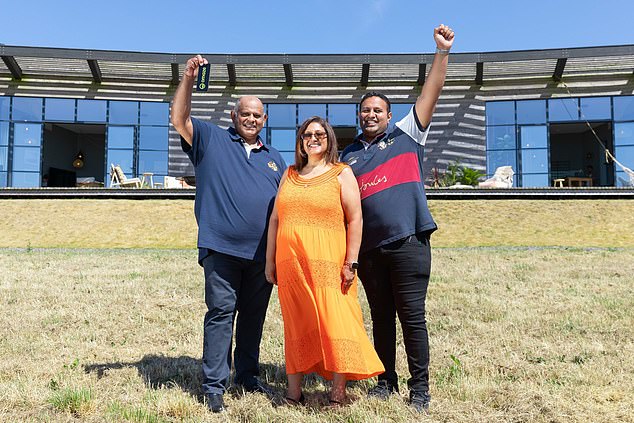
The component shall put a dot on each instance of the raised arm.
(426, 102)
(182, 103)
(351, 201)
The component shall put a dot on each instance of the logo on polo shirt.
(352, 160)
(273, 166)
(383, 144)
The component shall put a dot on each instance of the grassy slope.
(171, 224)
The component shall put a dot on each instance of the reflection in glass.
(4, 133)
(123, 158)
(153, 161)
(625, 155)
(26, 159)
(342, 114)
(496, 159)
(3, 179)
(120, 136)
(501, 137)
(153, 113)
(283, 139)
(27, 134)
(399, 111)
(533, 136)
(5, 102)
(623, 134)
(563, 109)
(91, 111)
(27, 109)
(535, 180)
(624, 107)
(124, 112)
(500, 112)
(282, 115)
(622, 179)
(535, 161)
(596, 108)
(531, 111)
(25, 179)
(153, 138)
(59, 109)
(306, 111)
(4, 158)
(289, 157)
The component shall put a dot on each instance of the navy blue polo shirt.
(234, 192)
(390, 177)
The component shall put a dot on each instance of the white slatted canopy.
(104, 65)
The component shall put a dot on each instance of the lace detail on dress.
(321, 195)
(317, 273)
(338, 356)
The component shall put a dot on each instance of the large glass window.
(399, 111)
(342, 114)
(123, 158)
(59, 109)
(533, 137)
(624, 150)
(563, 109)
(306, 111)
(4, 133)
(120, 137)
(27, 109)
(531, 112)
(153, 161)
(501, 137)
(4, 153)
(154, 113)
(534, 156)
(282, 115)
(596, 108)
(500, 158)
(25, 179)
(26, 159)
(124, 112)
(624, 107)
(283, 139)
(27, 134)
(153, 138)
(500, 113)
(5, 107)
(91, 111)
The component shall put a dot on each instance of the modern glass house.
(67, 114)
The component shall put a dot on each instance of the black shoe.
(259, 387)
(215, 403)
(382, 390)
(420, 401)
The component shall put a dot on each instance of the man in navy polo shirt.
(236, 182)
(395, 255)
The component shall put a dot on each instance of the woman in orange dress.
(313, 245)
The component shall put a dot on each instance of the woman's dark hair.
(331, 156)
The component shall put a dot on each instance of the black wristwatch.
(353, 265)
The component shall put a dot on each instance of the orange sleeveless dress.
(323, 328)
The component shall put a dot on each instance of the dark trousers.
(233, 285)
(395, 279)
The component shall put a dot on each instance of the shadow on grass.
(184, 373)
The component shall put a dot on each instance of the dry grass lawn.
(171, 223)
(518, 333)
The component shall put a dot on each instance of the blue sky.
(319, 26)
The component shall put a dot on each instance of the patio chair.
(119, 180)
